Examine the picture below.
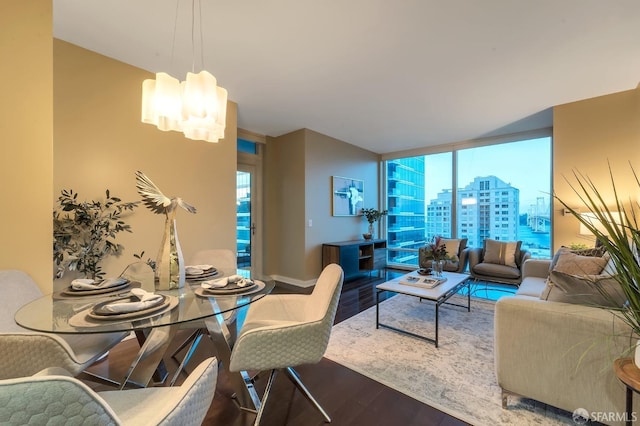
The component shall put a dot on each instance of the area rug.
(457, 378)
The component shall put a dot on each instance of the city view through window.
(502, 193)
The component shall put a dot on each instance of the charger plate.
(230, 290)
(202, 277)
(83, 320)
(100, 312)
(70, 291)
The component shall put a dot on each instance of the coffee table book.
(422, 282)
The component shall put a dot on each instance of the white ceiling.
(385, 75)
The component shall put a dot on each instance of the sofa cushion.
(496, 270)
(595, 290)
(532, 286)
(501, 252)
(574, 264)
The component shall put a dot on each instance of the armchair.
(282, 331)
(456, 248)
(52, 397)
(24, 352)
(498, 261)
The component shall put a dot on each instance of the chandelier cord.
(193, 43)
(175, 30)
(201, 37)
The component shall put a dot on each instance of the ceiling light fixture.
(196, 107)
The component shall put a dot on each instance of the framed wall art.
(347, 196)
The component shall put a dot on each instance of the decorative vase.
(371, 230)
(436, 267)
(636, 358)
(169, 271)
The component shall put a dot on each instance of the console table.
(356, 257)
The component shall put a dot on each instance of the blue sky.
(525, 165)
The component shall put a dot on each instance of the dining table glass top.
(61, 313)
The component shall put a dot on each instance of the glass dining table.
(64, 312)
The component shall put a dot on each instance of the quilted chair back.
(58, 399)
(287, 330)
(18, 289)
(52, 400)
(24, 352)
(223, 260)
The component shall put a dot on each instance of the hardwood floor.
(348, 397)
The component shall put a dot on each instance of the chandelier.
(196, 107)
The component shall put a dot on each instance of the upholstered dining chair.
(225, 262)
(282, 331)
(24, 352)
(53, 397)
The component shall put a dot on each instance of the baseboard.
(294, 282)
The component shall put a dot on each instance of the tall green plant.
(617, 233)
(84, 232)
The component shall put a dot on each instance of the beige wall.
(99, 143)
(586, 135)
(284, 205)
(326, 157)
(299, 167)
(26, 126)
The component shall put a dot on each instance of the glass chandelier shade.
(196, 107)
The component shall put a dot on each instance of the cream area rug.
(457, 378)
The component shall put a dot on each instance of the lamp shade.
(196, 107)
(204, 107)
(597, 223)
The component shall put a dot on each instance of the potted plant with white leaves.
(372, 215)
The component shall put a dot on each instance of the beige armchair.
(24, 352)
(282, 331)
(52, 397)
(498, 261)
(457, 251)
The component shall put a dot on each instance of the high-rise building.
(487, 208)
(405, 204)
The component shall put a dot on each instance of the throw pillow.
(595, 251)
(501, 252)
(593, 290)
(575, 264)
(452, 246)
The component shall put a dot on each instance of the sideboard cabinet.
(356, 257)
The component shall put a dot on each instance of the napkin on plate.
(89, 284)
(197, 269)
(145, 300)
(224, 281)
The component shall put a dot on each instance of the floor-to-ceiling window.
(499, 191)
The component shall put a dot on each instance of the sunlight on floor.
(489, 290)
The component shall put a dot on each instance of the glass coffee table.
(439, 295)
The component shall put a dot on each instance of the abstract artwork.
(347, 195)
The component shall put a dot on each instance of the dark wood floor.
(349, 397)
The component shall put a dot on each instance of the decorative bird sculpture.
(155, 200)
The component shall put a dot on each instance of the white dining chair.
(225, 262)
(282, 331)
(24, 352)
(53, 397)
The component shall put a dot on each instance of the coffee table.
(439, 295)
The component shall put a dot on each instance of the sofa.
(558, 353)
(457, 251)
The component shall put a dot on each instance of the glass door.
(246, 218)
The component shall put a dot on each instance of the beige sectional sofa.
(557, 353)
